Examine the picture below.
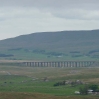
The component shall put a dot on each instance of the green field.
(30, 82)
(23, 54)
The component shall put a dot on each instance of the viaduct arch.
(60, 64)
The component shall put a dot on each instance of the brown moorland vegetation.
(13, 95)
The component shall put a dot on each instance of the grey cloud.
(28, 16)
(80, 14)
(70, 9)
(51, 3)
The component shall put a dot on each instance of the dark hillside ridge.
(61, 41)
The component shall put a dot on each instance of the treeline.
(72, 83)
(93, 54)
(93, 51)
(6, 55)
(48, 53)
(74, 54)
(15, 49)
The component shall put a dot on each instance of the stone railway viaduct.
(61, 64)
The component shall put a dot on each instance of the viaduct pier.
(61, 64)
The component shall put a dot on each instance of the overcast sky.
(19, 17)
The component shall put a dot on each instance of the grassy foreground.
(29, 83)
(40, 96)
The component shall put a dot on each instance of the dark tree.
(84, 90)
(94, 87)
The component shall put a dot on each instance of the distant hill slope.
(56, 41)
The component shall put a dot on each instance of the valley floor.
(38, 83)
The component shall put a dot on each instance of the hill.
(57, 41)
(54, 43)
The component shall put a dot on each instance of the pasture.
(37, 83)
(26, 54)
(32, 81)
